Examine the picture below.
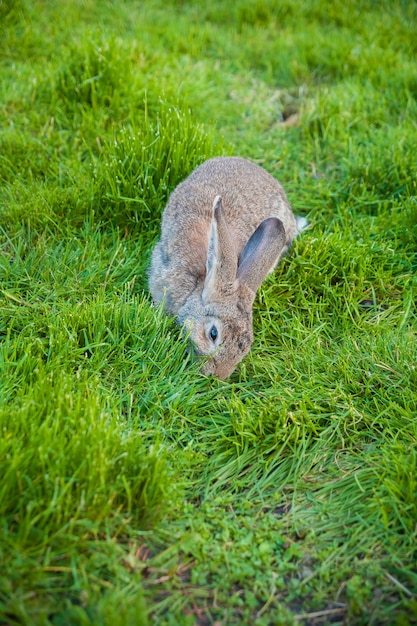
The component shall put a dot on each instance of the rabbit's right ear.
(221, 265)
(261, 252)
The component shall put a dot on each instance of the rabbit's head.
(219, 317)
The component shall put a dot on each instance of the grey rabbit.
(223, 230)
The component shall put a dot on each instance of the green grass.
(132, 489)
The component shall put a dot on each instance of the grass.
(133, 490)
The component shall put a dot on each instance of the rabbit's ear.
(221, 265)
(261, 252)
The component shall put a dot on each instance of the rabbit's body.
(197, 267)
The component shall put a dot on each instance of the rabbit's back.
(249, 195)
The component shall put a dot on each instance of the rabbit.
(223, 230)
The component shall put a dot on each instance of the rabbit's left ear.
(261, 252)
(221, 264)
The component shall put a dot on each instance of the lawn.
(133, 490)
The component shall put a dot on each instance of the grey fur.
(211, 257)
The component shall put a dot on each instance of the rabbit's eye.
(213, 333)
